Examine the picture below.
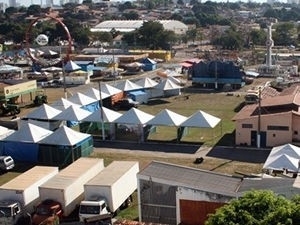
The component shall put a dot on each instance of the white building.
(131, 25)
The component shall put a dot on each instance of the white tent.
(44, 112)
(166, 85)
(9, 69)
(134, 116)
(81, 99)
(5, 132)
(167, 118)
(283, 157)
(52, 69)
(94, 93)
(110, 90)
(108, 116)
(28, 133)
(201, 119)
(71, 66)
(288, 149)
(127, 85)
(66, 137)
(63, 103)
(146, 82)
(282, 162)
(72, 113)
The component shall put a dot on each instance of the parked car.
(6, 163)
(125, 104)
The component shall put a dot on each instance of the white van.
(6, 163)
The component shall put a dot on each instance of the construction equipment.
(40, 98)
(9, 109)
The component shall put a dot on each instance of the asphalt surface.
(241, 154)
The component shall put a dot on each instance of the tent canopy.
(127, 85)
(44, 111)
(167, 118)
(94, 93)
(109, 90)
(71, 66)
(108, 116)
(283, 162)
(82, 99)
(146, 82)
(66, 137)
(8, 69)
(134, 116)
(72, 113)
(167, 84)
(28, 133)
(201, 119)
(62, 104)
(283, 157)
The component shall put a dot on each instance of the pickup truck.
(125, 104)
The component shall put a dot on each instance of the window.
(286, 128)
(247, 125)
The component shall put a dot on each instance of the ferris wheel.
(42, 40)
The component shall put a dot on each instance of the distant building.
(13, 3)
(3, 6)
(131, 25)
(217, 75)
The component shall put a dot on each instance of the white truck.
(66, 188)
(19, 195)
(110, 190)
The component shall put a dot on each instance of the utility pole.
(259, 119)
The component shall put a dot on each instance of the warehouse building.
(124, 26)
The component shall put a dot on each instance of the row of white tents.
(134, 116)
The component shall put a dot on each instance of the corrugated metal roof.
(192, 178)
(279, 185)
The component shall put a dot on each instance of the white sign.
(42, 39)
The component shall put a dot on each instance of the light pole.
(63, 68)
(259, 118)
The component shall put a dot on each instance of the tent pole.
(101, 110)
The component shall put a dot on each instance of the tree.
(258, 37)
(285, 34)
(258, 207)
(34, 10)
(231, 40)
(131, 15)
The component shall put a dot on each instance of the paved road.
(240, 154)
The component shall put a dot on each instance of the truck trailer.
(19, 195)
(110, 190)
(66, 188)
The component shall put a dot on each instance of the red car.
(48, 210)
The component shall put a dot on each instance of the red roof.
(185, 64)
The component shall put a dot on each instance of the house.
(174, 194)
(277, 119)
(149, 64)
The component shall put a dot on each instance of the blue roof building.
(217, 74)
